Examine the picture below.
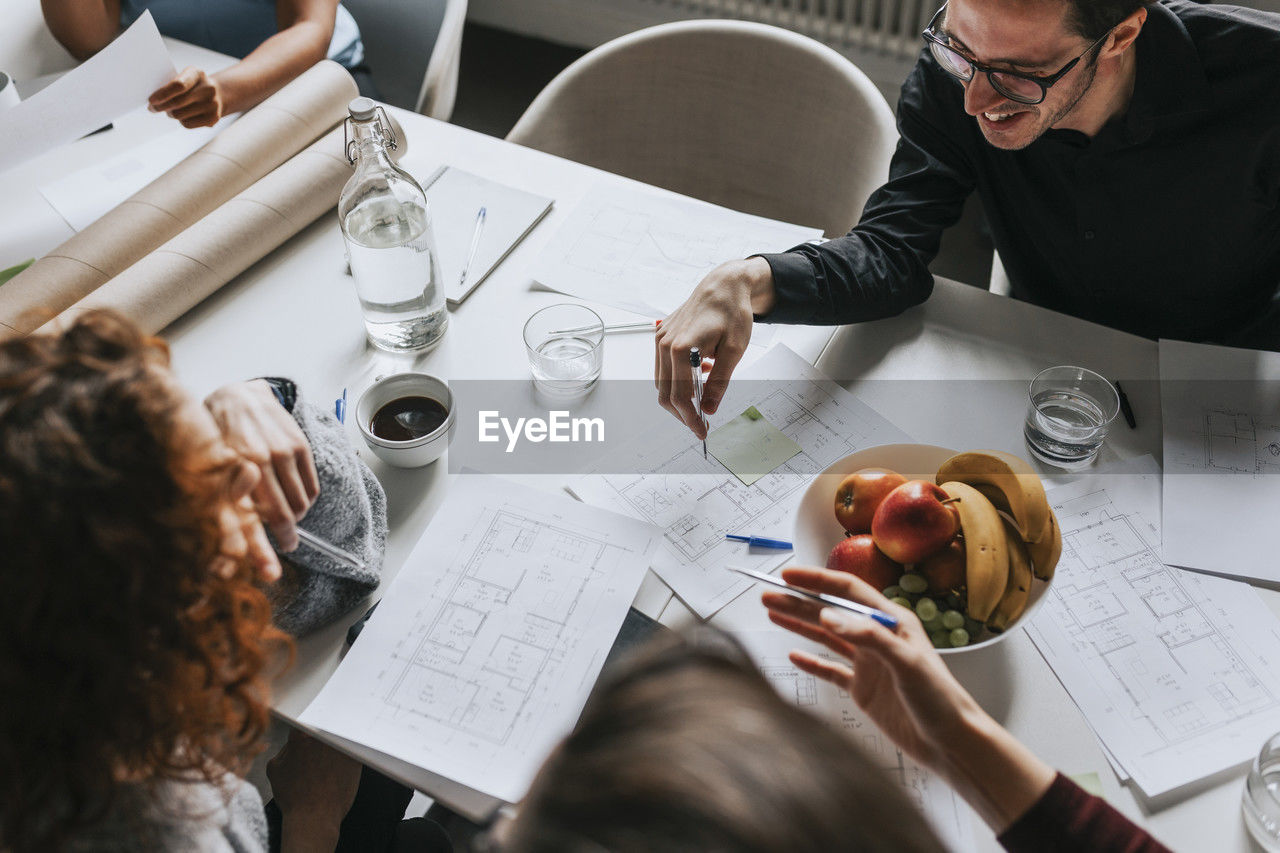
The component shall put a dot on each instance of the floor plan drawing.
(645, 251)
(1220, 413)
(1173, 669)
(696, 500)
(486, 644)
(948, 814)
(1236, 442)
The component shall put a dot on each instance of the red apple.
(858, 555)
(859, 495)
(912, 521)
(944, 570)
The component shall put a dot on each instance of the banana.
(1008, 481)
(1018, 588)
(986, 554)
(1046, 551)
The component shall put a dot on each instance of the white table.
(295, 314)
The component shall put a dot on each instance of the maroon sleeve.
(1068, 819)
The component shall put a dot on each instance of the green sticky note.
(750, 446)
(5, 275)
(1089, 781)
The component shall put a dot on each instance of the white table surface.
(930, 371)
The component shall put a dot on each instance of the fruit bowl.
(817, 531)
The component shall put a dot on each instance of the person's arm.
(260, 428)
(198, 99)
(879, 269)
(83, 27)
(314, 786)
(900, 681)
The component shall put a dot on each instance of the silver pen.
(475, 244)
(695, 365)
(339, 554)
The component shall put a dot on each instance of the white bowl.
(416, 452)
(817, 531)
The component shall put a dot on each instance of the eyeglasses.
(1014, 85)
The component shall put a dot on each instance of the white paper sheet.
(488, 641)
(82, 196)
(1178, 673)
(113, 81)
(949, 815)
(1221, 409)
(646, 252)
(696, 501)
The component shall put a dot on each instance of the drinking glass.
(1261, 803)
(1068, 416)
(565, 344)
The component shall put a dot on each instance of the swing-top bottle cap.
(361, 109)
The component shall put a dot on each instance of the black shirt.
(1165, 224)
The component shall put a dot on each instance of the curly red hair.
(123, 658)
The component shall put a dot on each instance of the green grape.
(959, 637)
(940, 640)
(954, 602)
(913, 583)
(973, 626)
(894, 591)
(927, 609)
(901, 602)
(952, 619)
(934, 625)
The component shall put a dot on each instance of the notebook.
(455, 197)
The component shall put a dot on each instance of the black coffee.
(407, 418)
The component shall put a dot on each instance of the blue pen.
(834, 600)
(760, 542)
(340, 407)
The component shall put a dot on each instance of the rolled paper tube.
(243, 153)
(168, 282)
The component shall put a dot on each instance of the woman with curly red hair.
(137, 641)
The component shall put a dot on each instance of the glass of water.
(565, 344)
(1261, 803)
(1068, 416)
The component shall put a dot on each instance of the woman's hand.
(896, 677)
(194, 98)
(256, 426)
(899, 680)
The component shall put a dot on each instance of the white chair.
(413, 48)
(746, 115)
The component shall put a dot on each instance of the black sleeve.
(284, 389)
(881, 267)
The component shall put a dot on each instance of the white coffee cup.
(415, 452)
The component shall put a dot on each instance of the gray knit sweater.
(350, 512)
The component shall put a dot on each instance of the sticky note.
(750, 446)
(1089, 781)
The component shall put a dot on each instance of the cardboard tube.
(168, 282)
(246, 151)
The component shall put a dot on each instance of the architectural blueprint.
(1221, 410)
(1178, 673)
(644, 251)
(696, 501)
(486, 644)
(947, 812)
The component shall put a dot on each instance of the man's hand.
(717, 319)
(193, 98)
(257, 427)
(314, 786)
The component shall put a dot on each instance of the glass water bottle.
(390, 245)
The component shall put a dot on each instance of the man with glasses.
(1127, 155)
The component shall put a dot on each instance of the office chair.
(745, 115)
(413, 48)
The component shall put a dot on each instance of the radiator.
(889, 27)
